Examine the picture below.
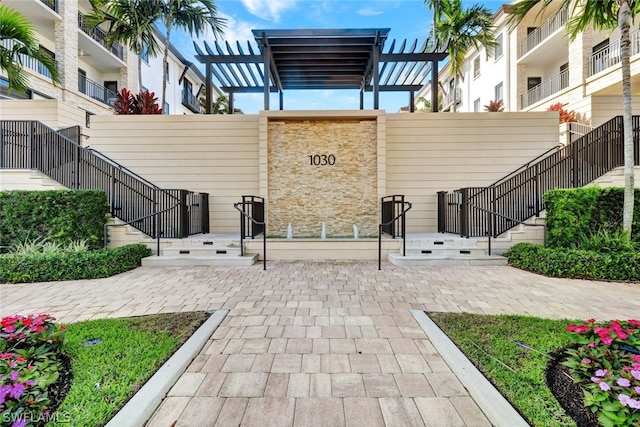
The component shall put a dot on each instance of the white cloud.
(368, 11)
(269, 10)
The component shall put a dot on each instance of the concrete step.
(195, 251)
(424, 260)
(446, 251)
(199, 261)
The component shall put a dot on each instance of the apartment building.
(535, 65)
(92, 73)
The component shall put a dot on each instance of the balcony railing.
(548, 27)
(96, 91)
(448, 98)
(545, 89)
(99, 35)
(190, 101)
(51, 4)
(27, 61)
(610, 55)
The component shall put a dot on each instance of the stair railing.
(157, 220)
(491, 217)
(248, 207)
(393, 210)
(32, 145)
(519, 195)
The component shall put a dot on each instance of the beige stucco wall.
(417, 155)
(51, 112)
(427, 153)
(216, 154)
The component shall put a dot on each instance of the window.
(600, 46)
(144, 55)
(476, 67)
(166, 71)
(476, 105)
(82, 80)
(533, 82)
(165, 110)
(564, 67)
(499, 46)
(498, 92)
(111, 86)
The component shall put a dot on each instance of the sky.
(407, 19)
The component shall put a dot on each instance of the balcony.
(544, 31)
(96, 91)
(609, 56)
(447, 102)
(545, 89)
(99, 35)
(190, 101)
(27, 62)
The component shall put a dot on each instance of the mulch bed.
(568, 393)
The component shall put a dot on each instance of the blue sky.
(408, 19)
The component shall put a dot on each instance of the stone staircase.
(445, 249)
(198, 251)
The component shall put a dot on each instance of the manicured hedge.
(60, 215)
(575, 263)
(574, 213)
(48, 267)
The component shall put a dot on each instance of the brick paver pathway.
(321, 343)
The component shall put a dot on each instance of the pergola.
(321, 59)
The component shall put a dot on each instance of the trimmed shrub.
(576, 213)
(575, 263)
(569, 214)
(47, 267)
(61, 216)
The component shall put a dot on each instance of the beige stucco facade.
(374, 154)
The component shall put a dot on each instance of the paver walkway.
(321, 343)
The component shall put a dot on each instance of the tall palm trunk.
(164, 64)
(624, 23)
(140, 68)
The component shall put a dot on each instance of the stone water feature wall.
(322, 171)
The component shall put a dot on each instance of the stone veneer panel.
(305, 195)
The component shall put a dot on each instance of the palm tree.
(462, 28)
(17, 40)
(602, 15)
(128, 22)
(193, 16)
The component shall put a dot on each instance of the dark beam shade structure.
(321, 59)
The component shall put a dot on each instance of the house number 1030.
(322, 160)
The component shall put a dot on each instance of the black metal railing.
(252, 222)
(100, 35)
(96, 91)
(393, 211)
(190, 101)
(519, 195)
(134, 200)
(74, 133)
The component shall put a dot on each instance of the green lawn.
(107, 374)
(518, 373)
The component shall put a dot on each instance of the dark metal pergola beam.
(322, 59)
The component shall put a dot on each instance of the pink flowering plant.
(29, 348)
(606, 363)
